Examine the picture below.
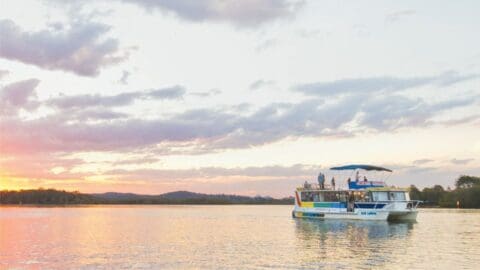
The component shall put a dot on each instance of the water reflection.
(230, 237)
(310, 228)
(335, 242)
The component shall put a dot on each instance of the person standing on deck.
(321, 180)
(357, 177)
(333, 183)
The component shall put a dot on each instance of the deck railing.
(414, 203)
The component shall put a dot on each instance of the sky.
(247, 97)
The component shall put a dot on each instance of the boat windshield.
(389, 196)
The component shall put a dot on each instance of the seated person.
(306, 185)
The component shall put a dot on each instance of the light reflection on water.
(234, 237)
(350, 244)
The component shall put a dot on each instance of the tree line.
(466, 194)
(59, 197)
(45, 196)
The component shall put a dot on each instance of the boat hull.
(357, 214)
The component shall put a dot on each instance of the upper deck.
(353, 186)
(351, 178)
(365, 184)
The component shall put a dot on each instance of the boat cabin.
(350, 199)
(358, 195)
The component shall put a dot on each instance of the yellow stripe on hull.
(307, 204)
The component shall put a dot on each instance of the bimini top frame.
(357, 183)
(361, 167)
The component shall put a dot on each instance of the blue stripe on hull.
(370, 205)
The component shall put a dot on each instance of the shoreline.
(178, 204)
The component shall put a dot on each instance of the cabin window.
(380, 196)
(319, 197)
(397, 196)
(389, 196)
(342, 197)
(307, 197)
(330, 197)
(323, 196)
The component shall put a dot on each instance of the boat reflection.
(307, 228)
(339, 243)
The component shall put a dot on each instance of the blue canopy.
(363, 167)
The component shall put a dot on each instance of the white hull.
(358, 214)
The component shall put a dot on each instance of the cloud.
(94, 114)
(258, 84)
(212, 92)
(50, 166)
(136, 161)
(266, 44)
(89, 122)
(79, 47)
(174, 92)
(277, 171)
(123, 99)
(18, 95)
(247, 13)
(418, 170)
(83, 101)
(460, 121)
(422, 161)
(461, 161)
(312, 33)
(3, 73)
(380, 84)
(395, 111)
(124, 78)
(206, 129)
(397, 15)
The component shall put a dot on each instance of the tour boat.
(362, 200)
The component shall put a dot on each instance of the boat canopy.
(359, 166)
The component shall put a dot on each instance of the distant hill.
(182, 195)
(117, 196)
(52, 196)
(187, 197)
(45, 196)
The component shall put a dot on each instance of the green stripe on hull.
(323, 204)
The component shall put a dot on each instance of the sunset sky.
(246, 97)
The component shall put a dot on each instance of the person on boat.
(333, 183)
(306, 184)
(365, 179)
(349, 181)
(357, 177)
(351, 202)
(321, 180)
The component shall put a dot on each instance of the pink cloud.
(18, 95)
(79, 48)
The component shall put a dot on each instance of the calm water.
(234, 237)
